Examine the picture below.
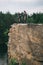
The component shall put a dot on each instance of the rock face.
(26, 43)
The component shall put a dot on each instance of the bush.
(13, 62)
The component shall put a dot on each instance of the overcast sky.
(20, 5)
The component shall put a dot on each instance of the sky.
(29, 6)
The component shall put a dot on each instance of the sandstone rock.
(26, 41)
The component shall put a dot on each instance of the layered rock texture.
(26, 43)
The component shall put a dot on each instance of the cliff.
(26, 43)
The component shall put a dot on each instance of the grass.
(13, 62)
